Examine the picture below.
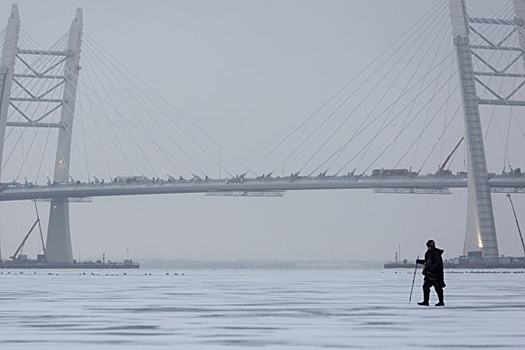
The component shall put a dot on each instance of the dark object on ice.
(433, 272)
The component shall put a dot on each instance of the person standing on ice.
(433, 272)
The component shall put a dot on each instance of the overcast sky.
(248, 72)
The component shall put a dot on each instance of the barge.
(22, 262)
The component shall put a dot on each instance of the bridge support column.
(58, 245)
(481, 230)
(7, 68)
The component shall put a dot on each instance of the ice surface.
(274, 309)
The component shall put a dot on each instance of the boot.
(440, 297)
(426, 297)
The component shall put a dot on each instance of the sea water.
(246, 309)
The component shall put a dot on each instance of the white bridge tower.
(58, 245)
(481, 230)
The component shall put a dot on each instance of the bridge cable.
(428, 109)
(121, 67)
(382, 54)
(387, 91)
(385, 125)
(112, 124)
(431, 31)
(337, 129)
(389, 109)
(163, 129)
(145, 130)
(409, 122)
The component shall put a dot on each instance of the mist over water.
(266, 308)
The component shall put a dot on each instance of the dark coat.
(433, 269)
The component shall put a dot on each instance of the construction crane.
(446, 172)
(21, 246)
(517, 223)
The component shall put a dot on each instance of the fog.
(248, 73)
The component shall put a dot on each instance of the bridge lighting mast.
(58, 233)
(480, 233)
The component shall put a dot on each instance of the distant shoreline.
(260, 264)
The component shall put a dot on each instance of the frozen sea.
(246, 309)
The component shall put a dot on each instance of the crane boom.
(441, 170)
(517, 223)
(24, 240)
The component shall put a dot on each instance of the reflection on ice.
(207, 309)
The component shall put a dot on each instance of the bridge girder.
(499, 184)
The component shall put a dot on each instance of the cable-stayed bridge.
(18, 97)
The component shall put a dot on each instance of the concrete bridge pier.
(58, 244)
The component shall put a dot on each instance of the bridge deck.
(15, 192)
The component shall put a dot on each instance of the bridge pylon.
(7, 68)
(480, 233)
(58, 244)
